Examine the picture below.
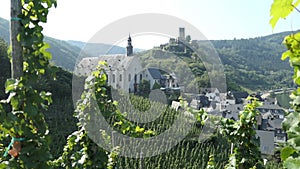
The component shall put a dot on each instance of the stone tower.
(129, 47)
(181, 34)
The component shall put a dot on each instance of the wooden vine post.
(16, 51)
(17, 58)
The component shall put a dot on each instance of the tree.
(156, 86)
(144, 88)
(5, 67)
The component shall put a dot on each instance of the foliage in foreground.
(290, 154)
(21, 116)
(241, 134)
(81, 151)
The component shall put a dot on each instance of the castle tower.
(129, 47)
(181, 34)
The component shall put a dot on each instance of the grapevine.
(24, 122)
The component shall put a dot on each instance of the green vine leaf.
(286, 152)
(292, 163)
(281, 9)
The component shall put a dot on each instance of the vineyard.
(198, 149)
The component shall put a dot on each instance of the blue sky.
(216, 19)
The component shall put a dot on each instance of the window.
(266, 148)
(129, 77)
(141, 77)
(120, 78)
(106, 77)
(280, 138)
(114, 78)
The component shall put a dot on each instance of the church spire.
(129, 47)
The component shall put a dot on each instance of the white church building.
(124, 71)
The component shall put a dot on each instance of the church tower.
(129, 47)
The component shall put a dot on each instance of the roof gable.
(115, 62)
(155, 73)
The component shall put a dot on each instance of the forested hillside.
(255, 63)
(252, 64)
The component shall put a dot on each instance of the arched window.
(114, 78)
(120, 78)
(141, 77)
(129, 77)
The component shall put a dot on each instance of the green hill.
(4, 31)
(256, 63)
(250, 64)
(63, 53)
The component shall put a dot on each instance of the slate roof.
(155, 73)
(235, 107)
(270, 106)
(115, 62)
(234, 110)
(276, 123)
(240, 95)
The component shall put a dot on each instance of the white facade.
(122, 71)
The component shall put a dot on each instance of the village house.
(213, 94)
(231, 104)
(270, 119)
